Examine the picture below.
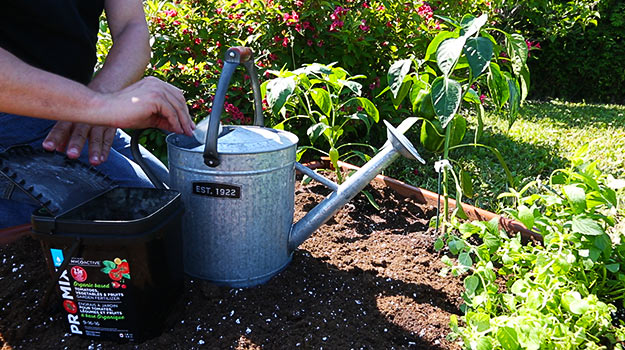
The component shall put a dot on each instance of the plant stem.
(445, 193)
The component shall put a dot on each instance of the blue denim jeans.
(16, 207)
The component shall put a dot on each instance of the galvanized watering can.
(238, 191)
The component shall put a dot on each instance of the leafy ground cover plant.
(329, 102)
(561, 294)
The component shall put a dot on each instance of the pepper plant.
(327, 100)
(458, 63)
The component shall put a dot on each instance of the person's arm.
(26, 90)
(124, 65)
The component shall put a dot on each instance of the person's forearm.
(126, 60)
(26, 90)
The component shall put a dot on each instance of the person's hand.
(70, 138)
(150, 102)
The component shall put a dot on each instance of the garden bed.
(366, 279)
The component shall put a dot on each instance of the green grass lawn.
(543, 138)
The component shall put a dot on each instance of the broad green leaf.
(472, 25)
(403, 91)
(458, 129)
(396, 75)
(514, 100)
(466, 183)
(524, 80)
(439, 244)
(109, 264)
(448, 54)
(576, 196)
(480, 113)
(314, 68)
(586, 226)
(497, 85)
(603, 243)
(613, 267)
(520, 288)
(479, 320)
(479, 52)
(526, 216)
(492, 242)
(446, 97)
(278, 92)
(471, 96)
(417, 96)
(322, 100)
(508, 339)
(353, 86)
(484, 343)
(573, 301)
(465, 259)
(438, 39)
(456, 245)
(315, 131)
(369, 108)
(432, 136)
(517, 50)
(471, 283)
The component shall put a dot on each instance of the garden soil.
(367, 279)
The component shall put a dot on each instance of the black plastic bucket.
(118, 259)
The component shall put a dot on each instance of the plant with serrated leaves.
(457, 63)
(561, 294)
(328, 100)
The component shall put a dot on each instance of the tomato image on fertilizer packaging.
(70, 306)
(115, 284)
(115, 275)
(123, 267)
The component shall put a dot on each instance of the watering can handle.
(234, 56)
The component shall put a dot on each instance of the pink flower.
(363, 25)
(299, 3)
(482, 98)
(171, 13)
(366, 5)
(320, 43)
(336, 25)
(425, 11)
(285, 42)
(219, 11)
(309, 42)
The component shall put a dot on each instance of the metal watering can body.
(238, 191)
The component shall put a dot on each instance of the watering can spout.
(396, 145)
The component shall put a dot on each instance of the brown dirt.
(367, 279)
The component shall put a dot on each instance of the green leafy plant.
(329, 100)
(457, 63)
(561, 294)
